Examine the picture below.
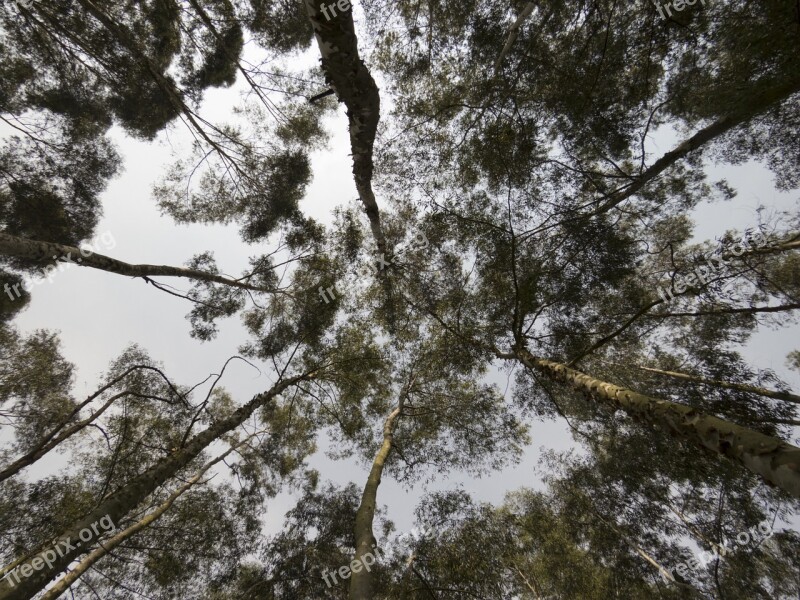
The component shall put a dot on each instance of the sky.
(99, 314)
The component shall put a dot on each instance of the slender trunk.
(349, 77)
(51, 441)
(121, 502)
(720, 550)
(773, 459)
(54, 438)
(19, 247)
(757, 102)
(665, 574)
(725, 385)
(63, 584)
(513, 32)
(361, 582)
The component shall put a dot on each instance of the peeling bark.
(361, 582)
(776, 461)
(353, 84)
(124, 500)
(19, 247)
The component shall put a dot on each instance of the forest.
(415, 300)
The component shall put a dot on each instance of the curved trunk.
(361, 583)
(353, 84)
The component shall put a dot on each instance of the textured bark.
(361, 582)
(63, 584)
(124, 500)
(353, 84)
(513, 32)
(20, 247)
(776, 461)
(729, 386)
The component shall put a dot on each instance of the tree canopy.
(527, 179)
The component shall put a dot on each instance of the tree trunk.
(347, 75)
(121, 502)
(665, 574)
(774, 460)
(361, 582)
(19, 247)
(749, 310)
(54, 438)
(513, 32)
(759, 101)
(63, 584)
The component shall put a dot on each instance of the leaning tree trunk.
(20, 247)
(362, 582)
(124, 500)
(63, 584)
(351, 81)
(773, 459)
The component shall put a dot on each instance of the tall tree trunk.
(725, 385)
(353, 84)
(349, 77)
(63, 584)
(19, 247)
(124, 500)
(361, 582)
(513, 32)
(773, 459)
